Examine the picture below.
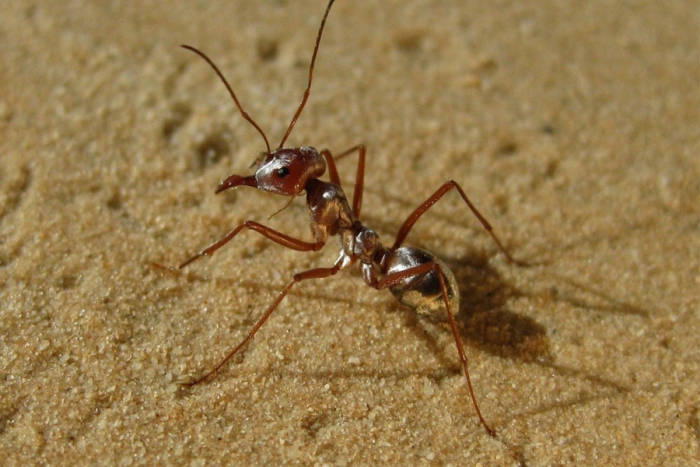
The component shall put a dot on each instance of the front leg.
(275, 236)
(359, 176)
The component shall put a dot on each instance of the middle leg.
(317, 273)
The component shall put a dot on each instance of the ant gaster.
(416, 277)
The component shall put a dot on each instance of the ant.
(416, 277)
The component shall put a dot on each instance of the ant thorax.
(329, 211)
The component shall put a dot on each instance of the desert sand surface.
(573, 126)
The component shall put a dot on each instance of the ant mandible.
(416, 277)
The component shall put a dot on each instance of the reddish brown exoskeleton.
(416, 277)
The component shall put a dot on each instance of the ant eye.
(282, 172)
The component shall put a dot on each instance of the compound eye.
(282, 172)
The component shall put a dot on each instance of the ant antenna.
(311, 72)
(233, 95)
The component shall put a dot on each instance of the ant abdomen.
(423, 292)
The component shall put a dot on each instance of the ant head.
(284, 171)
(302, 104)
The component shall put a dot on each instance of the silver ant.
(416, 277)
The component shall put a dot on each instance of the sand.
(574, 127)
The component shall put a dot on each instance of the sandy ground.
(573, 126)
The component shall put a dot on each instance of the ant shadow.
(484, 317)
(484, 320)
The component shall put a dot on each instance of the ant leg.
(359, 177)
(275, 236)
(434, 198)
(318, 273)
(391, 279)
(332, 170)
